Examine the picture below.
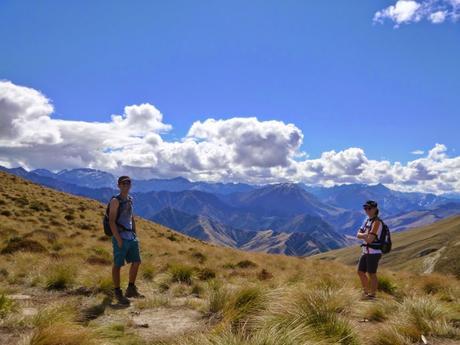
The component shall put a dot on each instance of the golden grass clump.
(60, 276)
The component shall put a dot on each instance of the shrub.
(246, 264)
(206, 274)
(200, 257)
(6, 213)
(98, 260)
(21, 201)
(39, 206)
(163, 286)
(172, 237)
(197, 290)
(15, 244)
(181, 273)
(56, 246)
(264, 275)
(69, 217)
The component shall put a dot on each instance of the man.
(368, 262)
(124, 240)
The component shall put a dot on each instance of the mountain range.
(288, 218)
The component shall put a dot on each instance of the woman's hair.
(376, 211)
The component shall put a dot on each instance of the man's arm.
(134, 225)
(113, 210)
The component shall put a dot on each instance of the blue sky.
(324, 66)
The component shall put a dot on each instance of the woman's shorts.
(369, 262)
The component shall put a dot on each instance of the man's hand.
(120, 242)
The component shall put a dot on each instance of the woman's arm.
(373, 232)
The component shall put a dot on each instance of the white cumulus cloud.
(412, 11)
(241, 149)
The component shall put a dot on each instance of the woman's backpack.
(384, 241)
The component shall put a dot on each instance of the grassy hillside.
(434, 247)
(55, 288)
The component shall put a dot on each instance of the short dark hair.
(123, 178)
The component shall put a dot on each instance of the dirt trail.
(150, 323)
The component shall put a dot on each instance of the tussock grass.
(428, 316)
(148, 271)
(7, 305)
(60, 276)
(318, 314)
(217, 297)
(387, 285)
(206, 273)
(181, 273)
(244, 304)
(380, 311)
(390, 335)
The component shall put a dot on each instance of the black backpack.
(105, 221)
(384, 242)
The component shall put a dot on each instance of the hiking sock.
(131, 285)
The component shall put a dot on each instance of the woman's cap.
(370, 203)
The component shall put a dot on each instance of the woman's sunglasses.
(367, 208)
(126, 183)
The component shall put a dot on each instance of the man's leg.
(116, 276)
(133, 272)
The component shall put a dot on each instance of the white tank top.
(366, 228)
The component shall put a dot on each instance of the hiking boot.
(131, 291)
(364, 296)
(120, 298)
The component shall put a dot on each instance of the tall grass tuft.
(181, 273)
(217, 297)
(319, 313)
(426, 315)
(386, 285)
(244, 304)
(60, 276)
(7, 305)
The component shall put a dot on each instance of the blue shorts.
(129, 252)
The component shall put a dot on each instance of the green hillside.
(55, 288)
(431, 248)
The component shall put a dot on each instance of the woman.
(368, 262)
